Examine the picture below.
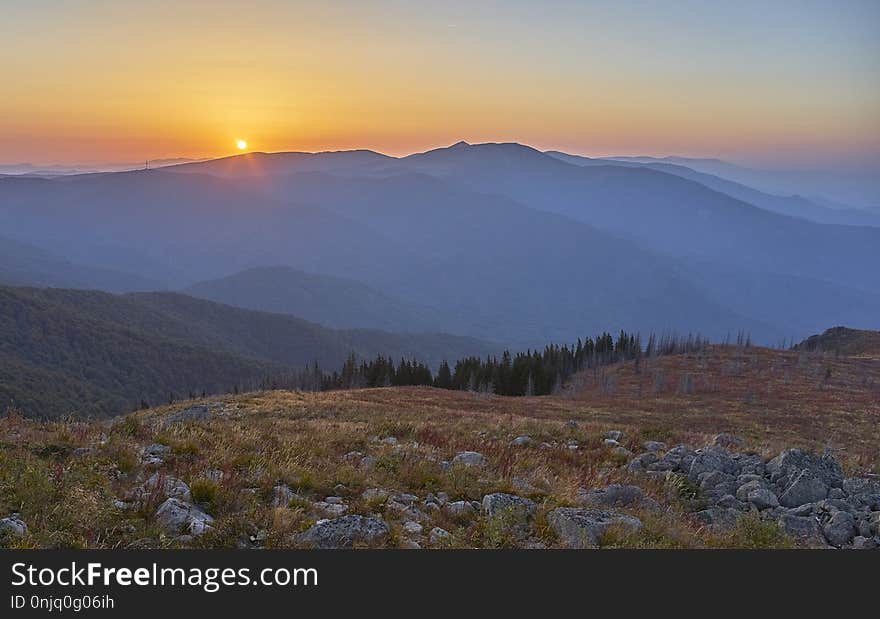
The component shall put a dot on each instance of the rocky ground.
(287, 470)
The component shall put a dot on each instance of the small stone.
(521, 441)
(412, 527)
(167, 486)
(439, 536)
(333, 509)
(177, 516)
(614, 435)
(13, 525)
(282, 495)
(653, 446)
(156, 449)
(337, 500)
(374, 494)
(469, 459)
(345, 532)
(389, 440)
(610, 442)
(459, 509)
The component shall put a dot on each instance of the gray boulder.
(521, 441)
(459, 509)
(654, 446)
(584, 528)
(176, 516)
(499, 504)
(791, 463)
(840, 530)
(167, 486)
(712, 459)
(762, 498)
(806, 488)
(614, 435)
(345, 532)
(439, 536)
(200, 412)
(802, 528)
(469, 459)
(742, 493)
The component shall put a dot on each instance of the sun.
(241, 144)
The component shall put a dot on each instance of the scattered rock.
(389, 440)
(584, 528)
(374, 494)
(156, 449)
(459, 509)
(654, 446)
(332, 509)
(521, 441)
(345, 532)
(13, 525)
(439, 536)
(167, 486)
(518, 510)
(178, 516)
(282, 495)
(469, 459)
(412, 527)
(200, 412)
(614, 435)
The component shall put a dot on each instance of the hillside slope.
(844, 341)
(92, 353)
(334, 302)
(22, 264)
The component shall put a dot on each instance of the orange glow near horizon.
(405, 77)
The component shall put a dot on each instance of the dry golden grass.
(773, 399)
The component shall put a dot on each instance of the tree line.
(533, 372)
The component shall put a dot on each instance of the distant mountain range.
(497, 241)
(333, 301)
(93, 353)
(794, 205)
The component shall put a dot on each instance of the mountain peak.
(460, 144)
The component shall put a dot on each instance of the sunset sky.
(767, 83)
